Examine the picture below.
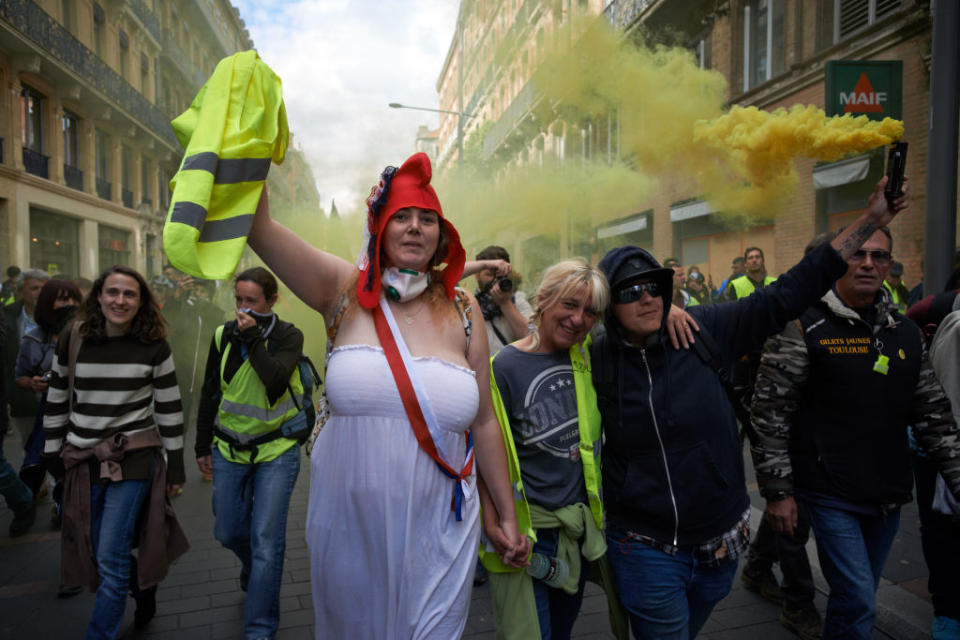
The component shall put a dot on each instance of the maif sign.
(865, 87)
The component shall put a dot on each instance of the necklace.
(410, 317)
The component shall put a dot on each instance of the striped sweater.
(120, 385)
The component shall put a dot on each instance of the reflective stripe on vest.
(744, 285)
(227, 159)
(588, 418)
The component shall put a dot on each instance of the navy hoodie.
(673, 465)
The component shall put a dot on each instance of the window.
(124, 52)
(66, 16)
(126, 192)
(114, 245)
(763, 42)
(849, 16)
(102, 151)
(54, 245)
(31, 119)
(145, 181)
(99, 20)
(702, 53)
(71, 139)
(144, 73)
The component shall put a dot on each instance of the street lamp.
(460, 116)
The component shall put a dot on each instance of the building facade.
(87, 146)
(772, 53)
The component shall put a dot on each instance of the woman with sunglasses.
(673, 480)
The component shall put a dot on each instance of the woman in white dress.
(392, 536)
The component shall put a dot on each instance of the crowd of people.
(552, 434)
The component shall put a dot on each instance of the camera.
(896, 167)
(505, 284)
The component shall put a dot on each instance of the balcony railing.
(28, 18)
(127, 196)
(35, 162)
(73, 177)
(104, 189)
(518, 109)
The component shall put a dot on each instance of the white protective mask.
(403, 285)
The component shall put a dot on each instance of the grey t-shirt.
(541, 403)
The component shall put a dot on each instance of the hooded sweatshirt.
(673, 465)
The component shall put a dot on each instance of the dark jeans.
(852, 548)
(557, 610)
(940, 537)
(769, 546)
(668, 597)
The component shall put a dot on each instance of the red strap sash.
(414, 413)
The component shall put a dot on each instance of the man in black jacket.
(835, 394)
(673, 479)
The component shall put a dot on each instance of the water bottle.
(551, 570)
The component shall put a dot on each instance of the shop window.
(114, 246)
(54, 242)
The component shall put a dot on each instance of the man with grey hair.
(19, 320)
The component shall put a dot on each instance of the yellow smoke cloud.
(676, 136)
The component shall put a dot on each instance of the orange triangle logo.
(863, 99)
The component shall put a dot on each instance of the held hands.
(879, 211)
(680, 327)
(782, 515)
(511, 546)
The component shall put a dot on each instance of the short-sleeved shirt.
(541, 402)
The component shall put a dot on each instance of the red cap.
(409, 187)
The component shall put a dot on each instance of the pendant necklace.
(409, 318)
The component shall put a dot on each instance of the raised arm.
(314, 276)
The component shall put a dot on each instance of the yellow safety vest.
(245, 411)
(232, 130)
(744, 285)
(895, 297)
(588, 417)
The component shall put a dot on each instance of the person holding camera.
(506, 313)
(249, 394)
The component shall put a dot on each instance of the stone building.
(772, 53)
(87, 146)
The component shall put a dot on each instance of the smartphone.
(46, 376)
(896, 165)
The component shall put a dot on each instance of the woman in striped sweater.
(109, 440)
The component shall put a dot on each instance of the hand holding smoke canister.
(896, 168)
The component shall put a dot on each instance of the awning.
(637, 223)
(839, 173)
(689, 210)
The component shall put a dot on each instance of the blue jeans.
(250, 504)
(114, 509)
(852, 548)
(15, 492)
(668, 597)
(557, 610)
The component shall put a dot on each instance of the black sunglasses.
(634, 292)
(876, 255)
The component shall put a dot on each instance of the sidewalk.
(201, 598)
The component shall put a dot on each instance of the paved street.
(201, 598)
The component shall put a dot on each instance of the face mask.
(61, 317)
(403, 285)
(264, 320)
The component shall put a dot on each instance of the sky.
(342, 62)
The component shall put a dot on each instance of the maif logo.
(863, 99)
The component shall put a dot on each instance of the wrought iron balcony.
(73, 177)
(127, 196)
(34, 23)
(35, 162)
(104, 189)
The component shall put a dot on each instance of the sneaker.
(806, 623)
(944, 628)
(762, 581)
(23, 520)
(146, 607)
